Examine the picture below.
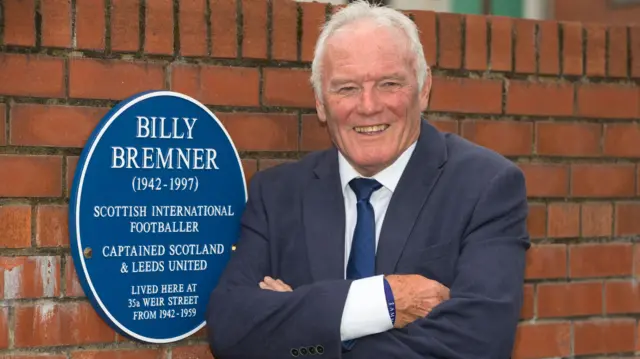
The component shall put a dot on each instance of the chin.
(372, 161)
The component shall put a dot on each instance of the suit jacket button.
(312, 350)
(320, 349)
(303, 351)
(294, 352)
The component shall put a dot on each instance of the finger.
(276, 285)
(445, 293)
(284, 285)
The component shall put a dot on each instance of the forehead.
(366, 46)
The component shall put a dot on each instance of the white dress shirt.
(366, 311)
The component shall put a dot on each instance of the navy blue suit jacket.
(458, 216)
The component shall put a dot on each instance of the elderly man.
(397, 242)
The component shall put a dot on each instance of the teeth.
(371, 129)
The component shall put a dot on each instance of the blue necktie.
(362, 258)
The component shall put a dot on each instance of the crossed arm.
(253, 315)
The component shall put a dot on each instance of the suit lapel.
(413, 189)
(324, 220)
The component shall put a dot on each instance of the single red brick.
(501, 43)
(596, 49)
(537, 220)
(254, 40)
(90, 25)
(284, 30)
(603, 180)
(69, 323)
(601, 260)
(466, 95)
(618, 52)
(526, 312)
(224, 42)
(450, 40)
(125, 26)
(31, 75)
(608, 101)
(426, 23)
(626, 221)
(635, 51)
(217, 85)
(52, 125)
(572, 48)
(314, 134)
(543, 340)
(193, 28)
(71, 281)
(288, 87)
(201, 351)
(549, 50)
(597, 219)
(31, 176)
(15, 226)
(72, 162)
(546, 180)
(159, 27)
(475, 42)
(19, 23)
(262, 132)
(546, 261)
(621, 140)
(564, 220)
(569, 299)
(525, 51)
(313, 17)
(3, 121)
(602, 336)
(509, 138)
(56, 23)
(52, 228)
(118, 79)
(622, 297)
(4, 328)
(539, 99)
(568, 139)
(30, 277)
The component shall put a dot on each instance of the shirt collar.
(389, 177)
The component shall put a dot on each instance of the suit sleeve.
(481, 317)
(244, 321)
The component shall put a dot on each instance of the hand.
(275, 285)
(415, 296)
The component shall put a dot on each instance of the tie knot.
(364, 187)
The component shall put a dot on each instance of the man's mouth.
(371, 130)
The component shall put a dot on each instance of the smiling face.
(370, 97)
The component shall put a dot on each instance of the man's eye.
(347, 89)
(390, 84)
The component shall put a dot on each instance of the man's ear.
(320, 110)
(425, 93)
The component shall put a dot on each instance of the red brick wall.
(561, 100)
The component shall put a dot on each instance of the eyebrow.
(343, 80)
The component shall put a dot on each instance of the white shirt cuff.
(365, 311)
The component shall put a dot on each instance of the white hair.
(384, 16)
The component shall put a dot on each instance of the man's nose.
(370, 102)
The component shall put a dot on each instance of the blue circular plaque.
(155, 209)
